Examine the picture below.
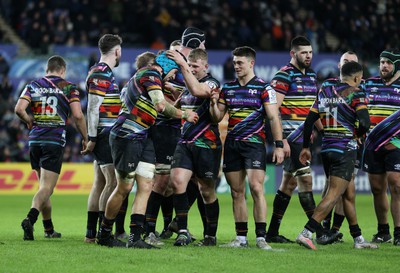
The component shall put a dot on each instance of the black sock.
(106, 227)
(212, 212)
(396, 232)
(33, 215)
(337, 221)
(326, 223)
(202, 210)
(314, 226)
(91, 226)
(48, 226)
(192, 192)
(261, 229)
(355, 231)
(167, 208)
(120, 220)
(307, 202)
(181, 210)
(136, 226)
(383, 229)
(101, 216)
(241, 228)
(153, 206)
(281, 202)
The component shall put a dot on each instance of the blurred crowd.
(366, 27)
(362, 26)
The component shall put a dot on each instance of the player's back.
(50, 98)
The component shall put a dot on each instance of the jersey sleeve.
(151, 82)
(268, 95)
(26, 94)
(359, 100)
(73, 94)
(222, 96)
(281, 82)
(98, 83)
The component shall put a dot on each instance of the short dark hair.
(350, 52)
(55, 64)
(108, 41)
(299, 41)
(350, 68)
(244, 51)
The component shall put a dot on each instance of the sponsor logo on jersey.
(230, 92)
(252, 91)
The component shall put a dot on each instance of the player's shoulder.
(230, 84)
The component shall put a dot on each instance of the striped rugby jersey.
(162, 120)
(138, 112)
(101, 82)
(300, 91)
(204, 133)
(246, 108)
(49, 98)
(337, 104)
(383, 106)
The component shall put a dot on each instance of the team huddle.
(161, 130)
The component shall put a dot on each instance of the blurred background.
(32, 30)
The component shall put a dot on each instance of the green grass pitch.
(71, 254)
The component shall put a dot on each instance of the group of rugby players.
(161, 130)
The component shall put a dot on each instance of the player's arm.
(272, 112)
(305, 154)
(93, 114)
(364, 122)
(20, 111)
(96, 93)
(164, 107)
(80, 123)
(217, 109)
(196, 88)
(281, 84)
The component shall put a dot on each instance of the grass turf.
(70, 254)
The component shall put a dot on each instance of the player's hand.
(214, 96)
(168, 86)
(192, 116)
(286, 148)
(176, 56)
(278, 156)
(30, 123)
(305, 156)
(89, 147)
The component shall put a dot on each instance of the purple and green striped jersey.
(138, 112)
(49, 98)
(388, 130)
(246, 110)
(300, 91)
(204, 133)
(337, 104)
(383, 106)
(162, 120)
(101, 82)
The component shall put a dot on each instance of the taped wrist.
(185, 115)
(169, 110)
